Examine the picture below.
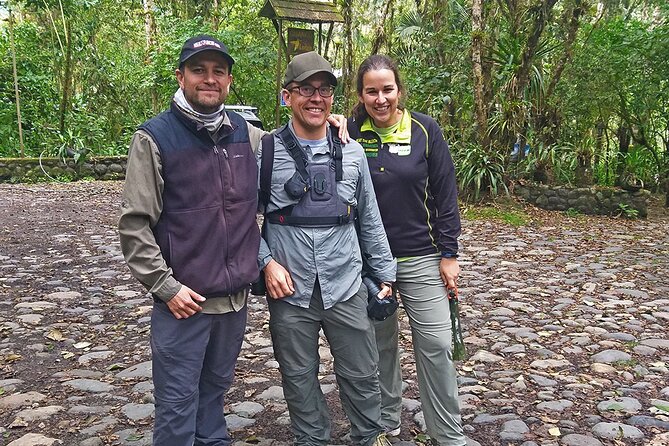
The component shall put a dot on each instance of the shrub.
(481, 172)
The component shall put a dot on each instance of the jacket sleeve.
(374, 245)
(255, 136)
(141, 207)
(444, 189)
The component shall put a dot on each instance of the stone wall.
(587, 200)
(591, 200)
(26, 170)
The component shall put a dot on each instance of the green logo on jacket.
(371, 147)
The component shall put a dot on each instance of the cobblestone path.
(566, 324)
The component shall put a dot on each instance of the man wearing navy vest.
(312, 256)
(189, 235)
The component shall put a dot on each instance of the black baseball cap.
(203, 42)
(307, 64)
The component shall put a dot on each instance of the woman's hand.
(340, 122)
(449, 271)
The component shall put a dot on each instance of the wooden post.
(16, 82)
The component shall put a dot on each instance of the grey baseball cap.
(203, 42)
(307, 64)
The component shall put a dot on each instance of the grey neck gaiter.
(211, 121)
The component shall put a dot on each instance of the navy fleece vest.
(207, 231)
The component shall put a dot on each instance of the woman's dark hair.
(375, 62)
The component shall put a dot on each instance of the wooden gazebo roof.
(307, 11)
(313, 11)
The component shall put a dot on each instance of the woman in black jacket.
(414, 181)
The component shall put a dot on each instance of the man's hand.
(184, 303)
(450, 270)
(278, 280)
(340, 122)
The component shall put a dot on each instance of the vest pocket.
(242, 173)
(197, 249)
(322, 182)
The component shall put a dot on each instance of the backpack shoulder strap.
(335, 144)
(294, 149)
(266, 167)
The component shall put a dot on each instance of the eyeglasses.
(308, 90)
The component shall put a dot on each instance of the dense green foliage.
(118, 80)
(592, 110)
(585, 84)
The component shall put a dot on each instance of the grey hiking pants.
(426, 304)
(295, 333)
(193, 366)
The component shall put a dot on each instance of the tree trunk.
(583, 174)
(16, 83)
(572, 30)
(67, 78)
(487, 65)
(215, 15)
(521, 79)
(624, 140)
(281, 49)
(665, 182)
(149, 24)
(599, 141)
(347, 65)
(328, 39)
(438, 17)
(514, 16)
(666, 170)
(150, 32)
(420, 6)
(381, 35)
(477, 49)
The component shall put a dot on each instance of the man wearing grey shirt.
(312, 257)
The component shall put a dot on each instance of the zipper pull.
(225, 152)
(215, 150)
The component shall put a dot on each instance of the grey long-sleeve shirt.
(141, 206)
(333, 255)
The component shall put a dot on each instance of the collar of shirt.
(312, 146)
(399, 135)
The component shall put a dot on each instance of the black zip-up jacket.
(416, 192)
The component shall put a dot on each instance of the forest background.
(569, 92)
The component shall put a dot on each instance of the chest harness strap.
(315, 184)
